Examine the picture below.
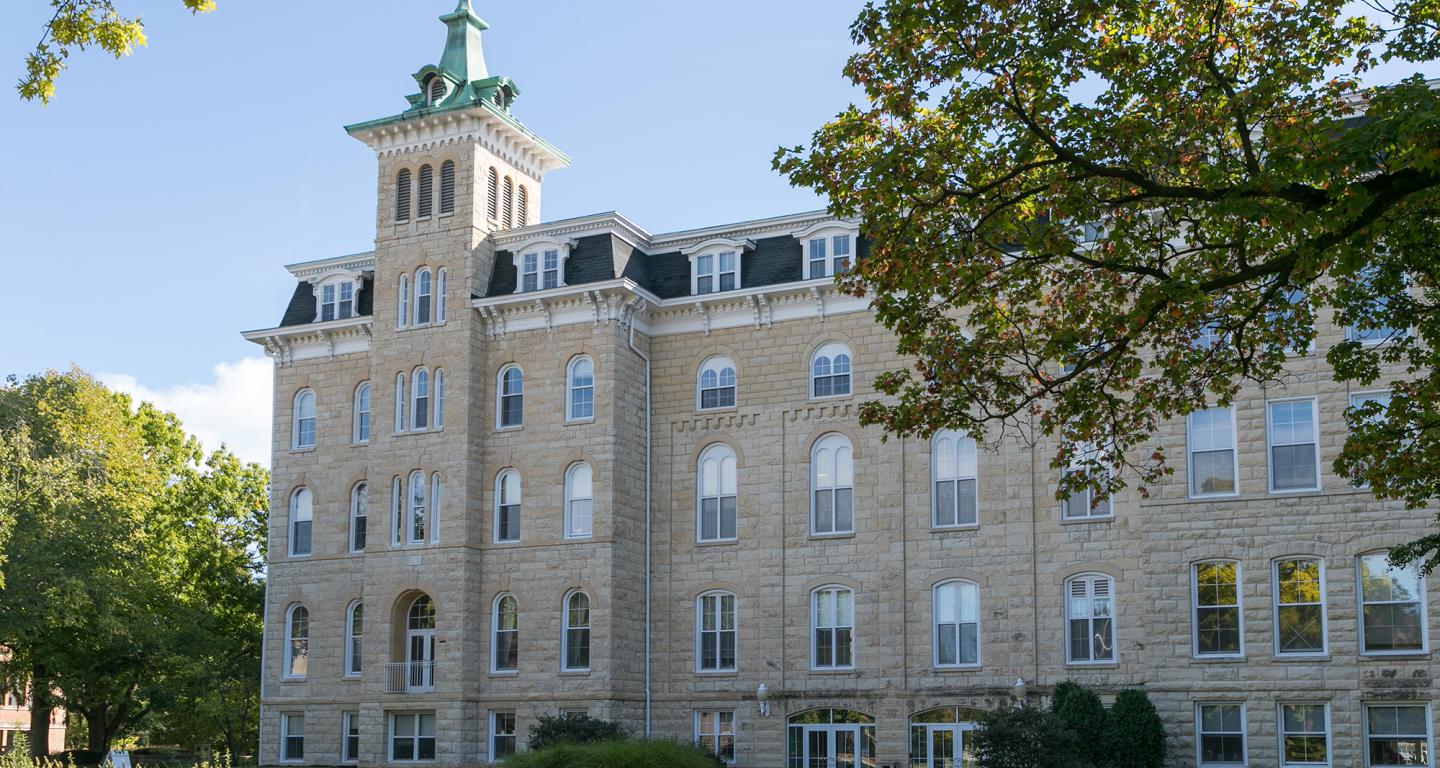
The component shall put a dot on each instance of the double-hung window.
(507, 506)
(297, 642)
(715, 732)
(302, 513)
(350, 737)
(1299, 607)
(576, 652)
(1220, 737)
(292, 738)
(502, 735)
(420, 400)
(1392, 607)
(1381, 400)
(362, 414)
(423, 296)
(359, 516)
(716, 272)
(551, 269)
(832, 623)
(506, 621)
(832, 483)
(1397, 734)
(828, 256)
(1371, 328)
(1294, 446)
(954, 497)
(412, 736)
(715, 632)
(830, 371)
(1304, 734)
(512, 397)
(530, 272)
(302, 427)
(1083, 504)
(1213, 470)
(581, 384)
(1090, 619)
(579, 502)
(354, 632)
(1218, 622)
(717, 507)
(716, 384)
(957, 624)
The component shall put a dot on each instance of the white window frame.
(708, 252)
(296, 519)
(565, 629)
(437, 400)
(349, 721)
(571, 390)
(419, 377)
(935, 625)
(719, 732)
(1190, 458)
(1089, 618)
(1366, 735)
(815, 597)
(414, 512)
(424, 297)
(1282, 733)
(415, 737)
(402, 314)
(830, 350)
(959, 440)
(362, 419)
(717, 364)
(571, 498)
(1275, 606)
(288, 671)
(398, 500)
(1423, 599)
(514, 735)
(1351, 332)
(298, 419)
(1238, 606)
(286, 719)
(1084, 497)
(1199, 733)
(501, 497)
(835, 443)
(1270, 444)
(441, 284)
(330, 292)
(359, 510)
(354, 656)
(719, 596)
(1381, 396)
(502, 393)
(828, 231)
(495, 631)
(720, 454)
(539, 248)
(435, 489)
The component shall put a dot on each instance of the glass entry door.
(832, 746)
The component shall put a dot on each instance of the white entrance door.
(947, 745)
(832, 746)
(420, 658)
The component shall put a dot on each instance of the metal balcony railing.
(410, 677)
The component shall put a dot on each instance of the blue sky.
(147, 212)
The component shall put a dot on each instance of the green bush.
(572, 728)
(1081, 711)
(1134, 736)
(616, 754)
(1025, 737)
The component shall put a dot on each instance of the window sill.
(419, 219)
(1295, 492)
(587, 420)
(590, 537)
(1092, 665)
(574, 673)
(511, 428)
(829, 398)
(291, 680)
(447, 215)
(839, 672)
(957, 669)
(1383, 656)
(942, 529)
(1300, 658)
(831, 536)
(506, 542)
(1215, 497)
(306, 449)
(504, 673)
(709, 673)
(716, 542)
(300, 556)
(712, 411)
(1087, 520)
(1217, 659)
(350, 678)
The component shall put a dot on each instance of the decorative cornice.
(290, 344)
(483, 124)
(354, 263)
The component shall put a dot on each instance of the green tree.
(1133, 736)
(1025, 737)
(1080, 709)
(1090, 218)
(572, 728)
(130, 564)
(75, 26)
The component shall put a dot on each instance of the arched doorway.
(830, 738)
(420, 644)
(942, 737)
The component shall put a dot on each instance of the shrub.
(1025, 737)
(1079, 708)
(571, 728)
(1134, 736)
(616, 754)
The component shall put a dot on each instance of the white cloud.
(234, 409)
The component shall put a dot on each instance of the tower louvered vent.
(492, 195)
(427, 188)
(437, 90)
(447, 187)
(522, 207)
(402, 195)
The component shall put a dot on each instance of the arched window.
(577, 631)
(423, 291)
(439, 420)
(507, 506)
(832, 481)
(435, 506)
(509, 201)
(716, 383)
(361, 428)
(506, 621)
(359, 516)
(832, 624)
(297, 641)
(400, 403)
(440, 286)
(437, 90)
(402, 302)
(447, 187)
(522, 208)
(417, 524)
(816, 737)
(716, 482)
(715, 632)
(420, 399)
(302, 511)
(510, 411)
(402, 195)
(579, 502)
(397, 511)
(427, 188)
(492, 194)
(953, 500)
(354, 629)
(957, 624)
(302, 426)
(1089, 619)
(581, 400)
(830, 371)
(943, 736)
(420, 644)
(421, 615)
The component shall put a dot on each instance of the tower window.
(522, 210)
(427, 188)
(492, 194)
(402, 195)
(437, 90)
(447, 187)
(509, 220)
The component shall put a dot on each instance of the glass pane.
(1294, 466)
(1213, 472)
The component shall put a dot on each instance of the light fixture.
(1019, 690)
(762, 696)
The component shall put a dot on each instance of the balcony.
(410, 677)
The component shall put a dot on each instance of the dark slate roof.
(592, 260)
(301, 310)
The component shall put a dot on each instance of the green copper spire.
(464, 56)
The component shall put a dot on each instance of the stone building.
(527, 467)
(16, 717)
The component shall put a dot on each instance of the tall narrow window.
(362, 413)
(1294, 446)
(522, 208)
(577, 631)
(507, 634)
(582, 389)
(507, 506)
(439, 420)
(717, 383)
(1381, 401)
(1397, 734)
(359, 516)
(492, 194)
(1221, 734)
(551, 269)
(579, 502)
(957, 624)
(292, 737)
(512, 397)
(1090, 619)
(402, 302)
(1392, 607)
(327, 302)
(303, 425)
(830, 371)
(297, 641)
(302, 511)
(347, 300)
(509, 203)
(530, 272)
(954, 500)
(400, 403)
(350, 735)
(1371, 327)
(1218, 624)
(423, 295)
(1299, 607)
(715, 732)
(840, 257)
(818, 261)
(420, 400)
(354, 631)
(832, 481)
(416, 527)
(1213, 470)
(715, 632)
(427, 190)
(397, 511)
(717, 485)
(440, 291)
(832, 623)
(402, 196)
(447, 187)
(435, 506)
(705, 273)
(412, 737)
(502, 735)
(1083, 504)
(1304, 734)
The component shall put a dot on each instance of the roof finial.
(464, 56)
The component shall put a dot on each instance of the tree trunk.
(99, 731)
(40, 711)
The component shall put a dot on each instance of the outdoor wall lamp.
(1019, 690)
(762, 697)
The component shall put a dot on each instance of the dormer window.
(336, 301)
(540, 265)
(829, 248)
(715, 265)
(437, 90)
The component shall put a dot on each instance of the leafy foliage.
(1134, 736)
(1025, 737)
(75, 26)
(616, 754)
(1083, 713)
(1087, 219)
(573, 728)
